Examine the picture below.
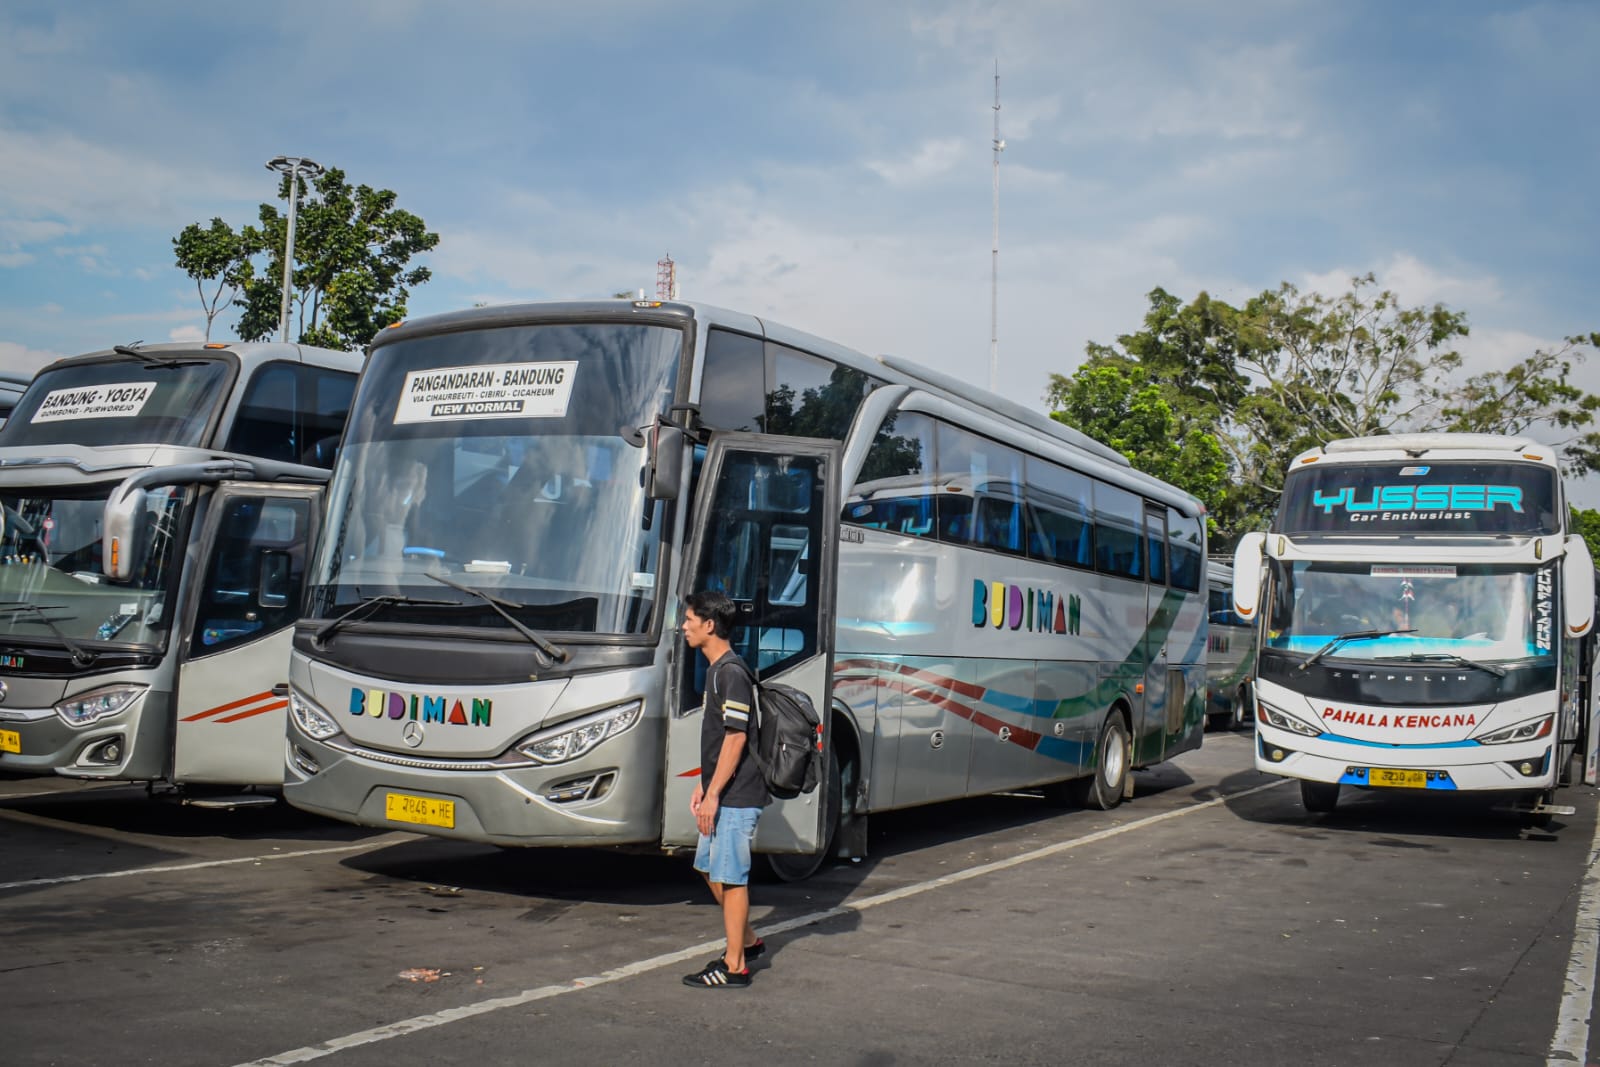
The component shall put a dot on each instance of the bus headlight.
(94, 706)
(572, 739)
(312, 720)
(1522, 731)
(1284, 721)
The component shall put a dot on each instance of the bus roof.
(1417, 445)
(250, 353)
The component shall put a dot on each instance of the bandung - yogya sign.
(118, 401)
(497, 391)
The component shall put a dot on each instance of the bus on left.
(156, 504)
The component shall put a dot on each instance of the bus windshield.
(1449, 497)
(506, 461)
(121, 401)
(1501, 614)
(50, 558)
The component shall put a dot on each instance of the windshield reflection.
(1478, 612)
(50, 558)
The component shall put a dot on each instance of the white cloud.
(931, 159)
(186, 333)
(20, 359)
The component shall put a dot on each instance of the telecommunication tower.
(666, 278)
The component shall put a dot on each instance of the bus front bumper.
(1530, 766)
(601, 800)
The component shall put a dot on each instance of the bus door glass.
(230, 726)
(764, 533)
(1163, 694)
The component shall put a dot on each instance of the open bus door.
(765, 532)
(230, 727)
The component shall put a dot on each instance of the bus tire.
(1245, 710)
(1319, 798)
(1103, 789)
(797, 867)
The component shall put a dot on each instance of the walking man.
(731, 793)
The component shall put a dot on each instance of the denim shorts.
(724, 854)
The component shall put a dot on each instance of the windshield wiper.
(551, 653)
(1353, 635)
(1460, 661)
(370, 606)
(153, 359)
(81, 657)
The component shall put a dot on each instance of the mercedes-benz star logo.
(411, 734)
(2, 692)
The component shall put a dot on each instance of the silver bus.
(982, 598)
(1230, 654)
(158, 506)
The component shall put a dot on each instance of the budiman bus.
(981, 598)
(1230, 654)
(158, 506)
(1424, 612)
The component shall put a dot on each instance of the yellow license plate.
(423, 811)
(10, 741)
(1389, 776)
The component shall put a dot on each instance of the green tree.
(211, 255)
(1289, 371)
(352, 275)
(1586, 524)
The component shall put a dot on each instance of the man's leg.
(749, 931)
(735, 900)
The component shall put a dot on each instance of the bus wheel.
(796, 867)
(1102, 790)
(1245, 710)
(1319, 797)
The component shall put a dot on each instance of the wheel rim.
(1115, 756)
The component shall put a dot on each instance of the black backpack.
(788, 739)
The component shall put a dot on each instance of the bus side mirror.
(273, 579)
(120, 530)
(1577, 587)
(1247, 559)
(663, 472)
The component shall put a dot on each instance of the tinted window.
(733, 392)
(812, 397)
(1059, 501)
(1186, 544)
(122, 401)
(292, 413)
(897, 490)
(1118, 546)
(980, 502)
(1155, 539)
(256, 572)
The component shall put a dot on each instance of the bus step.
(237, 800)
(1554, 809)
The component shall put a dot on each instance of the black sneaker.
(716, 975)
(751, 952)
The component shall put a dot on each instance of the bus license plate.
(10, 741)
(1395, 778)
(423, 811)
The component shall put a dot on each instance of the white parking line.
(654, 963)
(1571, 1042)
(31, 883)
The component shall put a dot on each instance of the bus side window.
(1118, 515)
(264, 425)
(895, 490)
(255, 574)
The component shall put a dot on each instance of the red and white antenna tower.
(666, 278)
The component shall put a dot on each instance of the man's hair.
(710, 604)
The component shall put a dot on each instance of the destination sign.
(495, 391)
(118, 401)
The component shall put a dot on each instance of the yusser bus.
(1425, 611)
(982, 598)
(158, 506)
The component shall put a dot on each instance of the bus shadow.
(1407, 820)
(126, 809)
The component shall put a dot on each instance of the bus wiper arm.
(552, 653)
(1461, 661)
(81, 657)
(1353, 635)
(154, 359)
(369, 606)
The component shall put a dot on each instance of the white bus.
(1230, 654)
(158, 505)
(1424, 612)
(983, 599)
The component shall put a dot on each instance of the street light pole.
(292, 166)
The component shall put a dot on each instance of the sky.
(827, 165)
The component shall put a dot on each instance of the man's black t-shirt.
(730, 707)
